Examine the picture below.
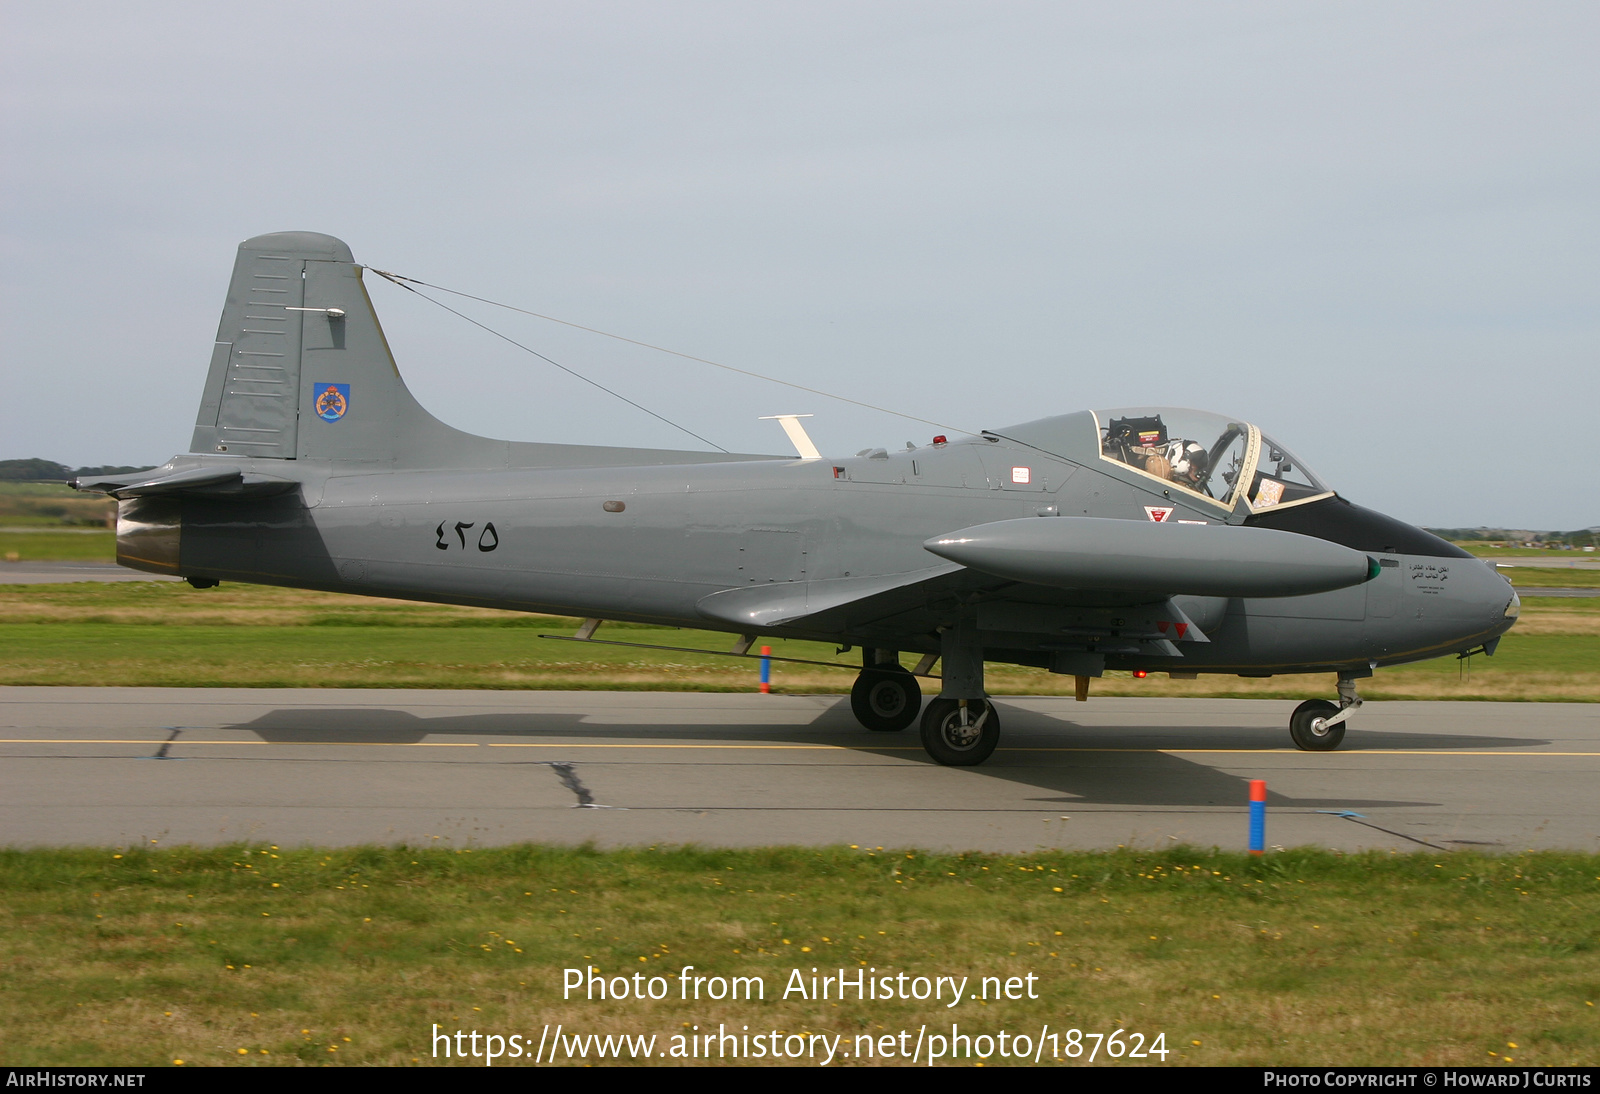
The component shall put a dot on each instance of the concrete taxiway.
(115, 766)
(61, 573)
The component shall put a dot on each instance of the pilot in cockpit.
(1143, 443)
(1190, 463)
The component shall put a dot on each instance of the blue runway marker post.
(766, 670)
(1258, 816)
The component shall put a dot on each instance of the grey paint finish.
(381, 498)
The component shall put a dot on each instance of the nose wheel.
(1310, 727)
(960, 732)
(1318, 725)
(886, 698)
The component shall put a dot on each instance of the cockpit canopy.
(1222, 460)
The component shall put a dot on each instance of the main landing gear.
(960, 728)
(886, 697)
(1317, 725)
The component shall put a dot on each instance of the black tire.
(955, 745)
(886, 698)
(1306, 726)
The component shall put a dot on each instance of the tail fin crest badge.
(332, 401)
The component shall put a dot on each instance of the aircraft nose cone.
(1494, 604)
(1459, 604)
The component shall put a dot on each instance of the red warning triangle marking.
(1162, 625)
(1182, 627)
(1158, 513)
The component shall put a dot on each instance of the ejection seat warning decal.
(1158, 513)
(1022, 475)
(330, 400)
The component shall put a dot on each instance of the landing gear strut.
(961, 727)
(1317, 725)
(886, 697)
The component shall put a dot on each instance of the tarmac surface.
(117, 766)
(58, 573)
(1582, 562)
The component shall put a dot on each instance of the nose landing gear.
(960, 732)
(1317, 725)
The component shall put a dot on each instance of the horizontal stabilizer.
(1158, 558)
(205, 481)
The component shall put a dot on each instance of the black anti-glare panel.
(1342, 522)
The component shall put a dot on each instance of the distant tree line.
(50, 471)
(1583, 537)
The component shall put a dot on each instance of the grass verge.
(46, 545)
(168, 634)
(52, 503)
(262, 955)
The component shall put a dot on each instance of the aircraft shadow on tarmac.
(1075, 765)
(1156, 778)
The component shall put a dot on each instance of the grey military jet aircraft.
(1146, 539)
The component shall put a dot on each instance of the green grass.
(1484, 550)
(373, 655)
(168, 634)
(1526, 577)
(48, 545)
(50, 503)
(262, 955)
(1531, 667)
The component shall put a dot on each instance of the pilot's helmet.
(1189, 460)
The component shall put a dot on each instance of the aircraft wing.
(915, 603)
(1062, 576)
(759, 607)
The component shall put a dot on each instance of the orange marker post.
(766, 670)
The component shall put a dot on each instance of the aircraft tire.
(886, 698)
(1307, 729)
(953, 745)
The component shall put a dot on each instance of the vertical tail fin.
(301, 369)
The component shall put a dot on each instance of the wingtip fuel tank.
(1170, 559)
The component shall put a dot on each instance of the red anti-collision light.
(940, 439)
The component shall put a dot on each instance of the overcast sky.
(1372, 229)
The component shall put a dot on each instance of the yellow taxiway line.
(779, 747)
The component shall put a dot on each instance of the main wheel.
(1309, 727)
(956, 742)
(886, 698)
